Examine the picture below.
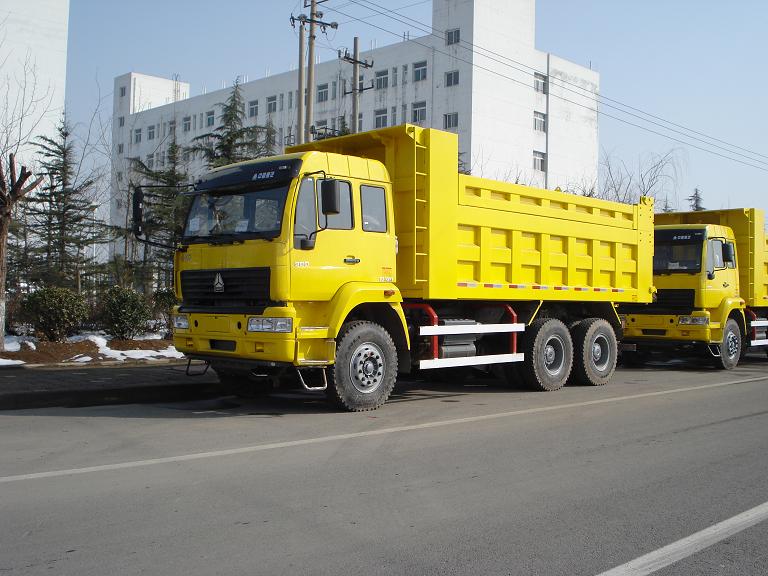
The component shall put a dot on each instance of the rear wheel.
(548, 353)
(730, 347)
(366, 367)
(594, 352)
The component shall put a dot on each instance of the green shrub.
(163, 302)
(55, 313)
(125, 312)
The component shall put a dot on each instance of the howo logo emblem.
(218, 283)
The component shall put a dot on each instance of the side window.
(374, 207)
(306, 212)
(342, 220)
(715, 256)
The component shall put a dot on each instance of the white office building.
(33, 54)
(521, 114)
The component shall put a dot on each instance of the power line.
(730, 148)
(589, 108)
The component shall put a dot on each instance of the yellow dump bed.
(473, 238)
(748, 225)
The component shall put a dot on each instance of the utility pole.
(356, 63)
(300, 97)
(314, 22)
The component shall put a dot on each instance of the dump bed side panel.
(748, 225)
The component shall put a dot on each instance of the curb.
(98, 364)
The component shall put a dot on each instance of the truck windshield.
(243, 214)
(677, 252)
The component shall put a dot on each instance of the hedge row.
(56, 313)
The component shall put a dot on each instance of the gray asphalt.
(573, 490)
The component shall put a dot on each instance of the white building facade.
(33, 54)
(521, 114)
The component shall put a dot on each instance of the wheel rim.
(554, 355)
(601, 353)
(367, 367)
(732, 344)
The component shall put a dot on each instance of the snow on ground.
(103, 345)
(5, 362)
(13, 343)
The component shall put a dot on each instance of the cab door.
(722, 274)
(336, 257)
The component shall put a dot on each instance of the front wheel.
(730, 347)
(366, 367)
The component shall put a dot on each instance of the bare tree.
(656, 176)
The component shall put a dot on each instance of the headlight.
(270, 324)
(694, 320)
(181, 321)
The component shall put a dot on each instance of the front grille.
(675, 298)
(240, 288)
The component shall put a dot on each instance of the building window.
(333, 90)
(209, 118)
(450, 121)
(121, 121)
(151, 132)
(452, 78)
(137, 136)
(380, 118)
(382, 79)
(120, 148)
(360, 121)
(185, 156)
(394, 75)
(452, 36)
(405, 73)
(540, 83)
(172, 128)
(360, 83)
(322, 92)
(271, 104)
(393, 120)
(540, 121)
(290, 99)
(539, 161)
(122, 91)
(419, 112)
(186, 123)
(253, 108)
(419, 71)
(150, 161)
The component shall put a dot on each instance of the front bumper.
(225, 337)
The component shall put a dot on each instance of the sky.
(699, 64)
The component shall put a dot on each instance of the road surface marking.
(363, 434)
(663, 557)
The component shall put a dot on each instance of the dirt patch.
(69, 352)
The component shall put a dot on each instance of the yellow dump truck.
(711, 272)
(348, 260)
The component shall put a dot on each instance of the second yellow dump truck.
(711, 272)
(348, 260)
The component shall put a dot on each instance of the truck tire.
(730, 347)
(595, 351)
(548, 353)
(366, 367)
(239, 383)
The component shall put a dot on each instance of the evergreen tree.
(667, 207)
(165, 211)
(696, 200)
(232, 141)
(61, 214)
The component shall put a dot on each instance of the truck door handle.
(352, 260)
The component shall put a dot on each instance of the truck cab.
(698, 306)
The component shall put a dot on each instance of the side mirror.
(330, 197)
(307, 243)
(138, 212)
(729, 253)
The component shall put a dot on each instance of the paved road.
(447, 478)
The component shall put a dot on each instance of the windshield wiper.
(225, 239)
